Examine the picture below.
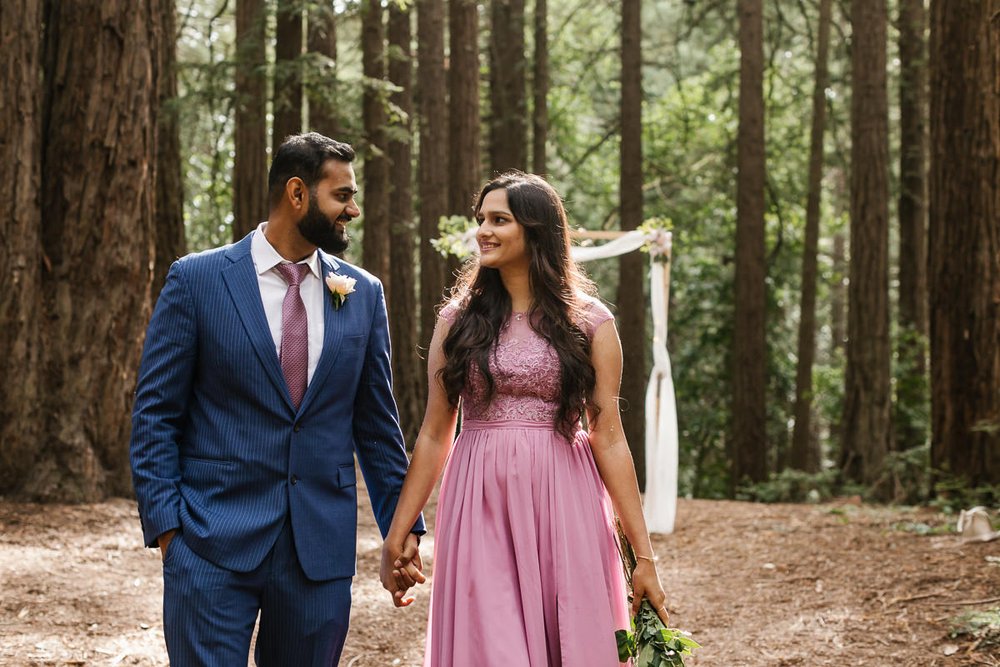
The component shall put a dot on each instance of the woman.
(527, 572)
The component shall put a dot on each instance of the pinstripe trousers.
(209, 612)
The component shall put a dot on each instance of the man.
(265, 370)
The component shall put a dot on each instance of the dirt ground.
(757, 585)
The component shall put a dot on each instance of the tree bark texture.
(464, 166)
(749, 346)
(250, 126)
(287, 95)
(21, 345)
(804, 454)
(432, 110)
(375, 250)
(322, 42)
(406, 367)
(866, 425)
(911, 379)
(631, 267)
(508, 106)
(170, 242)
(540, 90)
(965, 237)
(98, 231)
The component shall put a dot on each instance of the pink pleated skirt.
(526, 567)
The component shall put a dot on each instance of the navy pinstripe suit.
(219, 453)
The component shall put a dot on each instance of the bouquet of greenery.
(650, 643)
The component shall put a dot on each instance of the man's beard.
(320, 230)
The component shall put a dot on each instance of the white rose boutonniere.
(340, 287)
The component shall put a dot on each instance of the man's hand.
(164, 542)
(401, 569)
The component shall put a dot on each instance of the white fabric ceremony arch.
(662, 446)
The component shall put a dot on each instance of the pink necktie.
(294, 333)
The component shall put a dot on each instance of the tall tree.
(432, 109)
(540, 90)
(322, 43)
(749, 457)
(97, 235)
(965, 234)
(911, 380)
(464, 166)
(866, 426)
(406, 375)
(631, 304)
(287, 97)
(250, 112)
(20, 256)
(804, 454)
(508, 107)
(838, 293)
(170, 243)
(375, 251)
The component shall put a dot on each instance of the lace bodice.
(525, 370)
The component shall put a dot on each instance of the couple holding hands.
(266, 371)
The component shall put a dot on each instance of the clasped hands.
(401, 568)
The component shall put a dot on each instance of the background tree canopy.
(746, 124)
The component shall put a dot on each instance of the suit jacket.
(219, 452)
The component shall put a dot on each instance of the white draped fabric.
(660, 504)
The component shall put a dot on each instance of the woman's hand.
(401, 568)
(646, 584)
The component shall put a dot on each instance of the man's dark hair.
(303, 155)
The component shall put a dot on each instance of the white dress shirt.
(273, 288)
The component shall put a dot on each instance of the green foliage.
(456, 236)
(982, 626)
(923, 528)
(205, 52)
(792, 486)
(651, 644)
(908, 473)
(953, 494)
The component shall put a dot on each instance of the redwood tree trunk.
(911, 379)
(323, 82)
(508, 108)
(375, 251)
(804, 454)
(838, 293)
(169, 243)
(98, 196)
(287, 97)
(432, 109)
(20, 257)
(866, 424)
(630, 299)
(250, 132)
(464, 166)
(540, 110)
(406, 374)
(749, 346)
(965, 237)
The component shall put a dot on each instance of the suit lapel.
(241, 280)
(333, 332)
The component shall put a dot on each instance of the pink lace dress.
(526, 570)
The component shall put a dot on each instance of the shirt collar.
(265, 257)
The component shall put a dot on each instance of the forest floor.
(757, 585)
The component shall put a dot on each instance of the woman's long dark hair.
(556, 285)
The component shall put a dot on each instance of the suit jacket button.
(297, 427)
(295, 480)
